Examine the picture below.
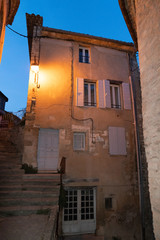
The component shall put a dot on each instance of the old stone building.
(80, 108)
(8, 9)
(143, 21)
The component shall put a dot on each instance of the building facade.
(8, 9)
(143, 21)
(80, 108)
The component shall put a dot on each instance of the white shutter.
(107, 94)
(113, 141)
(121, 141)
(80, 92)
(117, 141)
(126, 96)
(101, 93)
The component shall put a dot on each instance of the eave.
(128, 20)
(13, 7)
(87, 39)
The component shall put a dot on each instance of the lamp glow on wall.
(35, 69)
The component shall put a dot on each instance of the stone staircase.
(24, 194)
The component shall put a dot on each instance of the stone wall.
(148, 32)
(142, 166)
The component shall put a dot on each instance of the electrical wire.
(17, 32)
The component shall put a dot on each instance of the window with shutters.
(115, 96)
(117, 141)
(84, 55)
(89, 94)
(111, 94)
(79, 141)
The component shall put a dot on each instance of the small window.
(83, 55)
(79, 141)
(89, 94)
(115, 96)
(108, 203)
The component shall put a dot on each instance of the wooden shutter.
(80, 92)
(104, 94)
(117, 141)
(126, 96)
(101, 93)
(107, 94)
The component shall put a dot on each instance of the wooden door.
(48, 149)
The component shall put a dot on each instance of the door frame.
(82, 225)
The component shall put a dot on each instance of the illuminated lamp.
(35, 69)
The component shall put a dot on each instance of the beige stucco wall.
(148, 32)
(114, 176)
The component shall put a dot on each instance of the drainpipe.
(139, 164)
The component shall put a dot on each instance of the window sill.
(85, 62)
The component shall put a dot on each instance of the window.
(109, 94)
(79, 141)
(117, 141)
(115, 96)
(83, 55)
(89, 94)
(108, 203)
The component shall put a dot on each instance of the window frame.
(89, 102)
(84, 58)
(83, 141)
(113, 97)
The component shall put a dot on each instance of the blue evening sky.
(99, 18)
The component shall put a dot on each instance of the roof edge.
(86, 38)
(128, 21)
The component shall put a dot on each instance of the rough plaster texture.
(55, 104)
(148, 32)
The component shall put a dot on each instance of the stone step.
(18, 181)
(13, 166)
(8, 154)
(41, 176)
(7, 171)
(83, 237)
(26, 194)
(11, 177)
(25, 187)
(25, 210)
(29, 202)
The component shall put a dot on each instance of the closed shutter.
(101, 93)
(117, 141)
(80, 92)
(107, 94)
(126, 96)
(104, 94)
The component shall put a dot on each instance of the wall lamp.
(35, 69)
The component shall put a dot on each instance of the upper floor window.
(115, 96)
(83, 55)
(111, 94)
(89, 94)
